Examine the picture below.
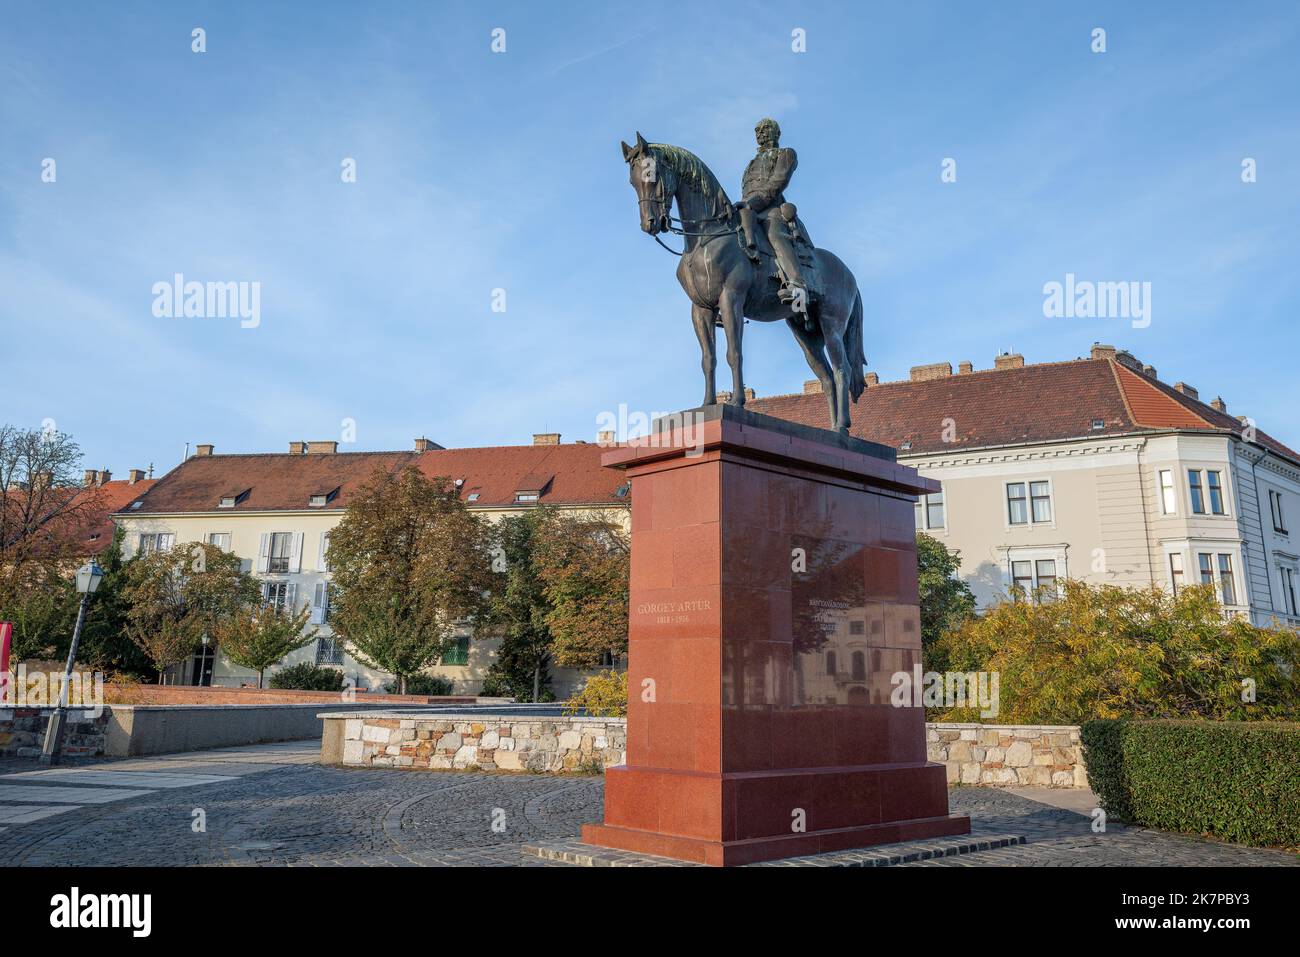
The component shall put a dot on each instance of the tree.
(583, 563)
(44, 512)
(258, 637)
(946, 600)
(178, 596)
(409, 562)
(560, 596)
(104, 642)
(1101, 651)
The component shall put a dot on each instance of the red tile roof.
(1051, 401)
(111, 497)
(286, 481)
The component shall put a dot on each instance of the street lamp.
(89, 576)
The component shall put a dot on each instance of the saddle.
(804, 250)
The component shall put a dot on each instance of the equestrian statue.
(753, 259)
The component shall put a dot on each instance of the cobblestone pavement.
(274, 805)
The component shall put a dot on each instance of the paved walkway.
(274, 805)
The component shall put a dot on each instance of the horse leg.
(731, 311)
(840, 368)
(702, 316)
(814, 350)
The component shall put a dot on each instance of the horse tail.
(853, 349)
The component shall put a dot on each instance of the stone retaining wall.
(1008, 755)
(488, 742)
(993, 755)
(22, 733)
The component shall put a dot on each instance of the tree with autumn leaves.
(410, 565)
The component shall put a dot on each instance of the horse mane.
(690, 169)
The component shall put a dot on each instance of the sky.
(480, 171)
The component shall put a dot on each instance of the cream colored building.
(1093, 469)
(276, 511)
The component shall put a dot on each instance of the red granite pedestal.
(773, 597)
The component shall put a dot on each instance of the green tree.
(409, 564)
(946, 600)
(104, 642)
(258, 637)
(518, 611)
(1101, 651)
(177, 597)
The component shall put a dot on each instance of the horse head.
(654, 184)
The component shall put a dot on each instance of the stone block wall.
(1008, 755)
(22, 733)
(487, 742)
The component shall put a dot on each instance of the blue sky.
(478, 171)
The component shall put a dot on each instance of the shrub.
(307, 676)
(1233, 780)
(1102, 651)
(424, 685)
(603, 696)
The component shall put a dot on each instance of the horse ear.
(640, 141)
(627, 151)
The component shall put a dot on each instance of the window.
(1275, 507)
(281, 546)
(1176, 571)
(151, 542)
(320, 604)
(859, 666)
(830, 663)
(526, 496)
(1029, 503)
(1206, 564)
(1288, 589)
(323, 553)
(457, 653)
(1216, 492)
(1036, 578)
(227, 501)
(279, 595)
(857, 627)
(473, 496)
(1229, 591)
(1168, 500)
(1017, 513)
(329, 652)
(929, 512)
(220, 539)
(1194, 486)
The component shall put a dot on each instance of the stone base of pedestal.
(742, 818)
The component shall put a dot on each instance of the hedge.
(1239, 781)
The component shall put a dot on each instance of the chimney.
(92, 478)
(1126, 358)
(1150, 371)
(135, 475)
(426, 445)
(297, 448)
(1009, 360)
(1219, 405)
(203, 449)
(1100, 351)
(105, 477)
(812, 386)
(935, 370)
(1187, 390)
(965, 368)
(546, 438)
(42, 480)
(873, 378)
(322, 448)
(606, 437)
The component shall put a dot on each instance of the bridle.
(660, 197)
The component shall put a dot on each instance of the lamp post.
(89, 576)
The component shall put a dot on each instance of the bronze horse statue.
(725, 286)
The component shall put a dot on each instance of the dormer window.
(527, 496)
(532, 487)
(231, 499)
(1098, 425)
(473, 497)
(321, 499)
